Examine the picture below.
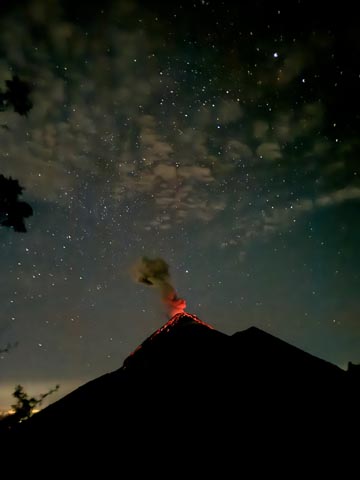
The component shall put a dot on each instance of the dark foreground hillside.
(192, 395)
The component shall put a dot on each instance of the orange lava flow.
(176, 318)
(179, 317)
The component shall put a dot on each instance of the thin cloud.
(111, 113)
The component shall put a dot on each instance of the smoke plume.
(155, 273)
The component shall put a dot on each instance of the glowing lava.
(173, 303)
(183, 319)
(155, 273)
(179, 320)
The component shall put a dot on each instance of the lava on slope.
(179, 320)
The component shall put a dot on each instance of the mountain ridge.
(189, 379)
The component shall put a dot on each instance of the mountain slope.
(189, 381)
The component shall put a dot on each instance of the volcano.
(191, 386)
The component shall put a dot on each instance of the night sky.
(223, 139)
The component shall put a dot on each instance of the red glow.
(174, 304)
(181, 319)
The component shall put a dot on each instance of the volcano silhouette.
(191, 386)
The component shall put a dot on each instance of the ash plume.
(155, 273)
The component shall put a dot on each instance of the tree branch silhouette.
(24, 407)
(12, 210)
(16, 96)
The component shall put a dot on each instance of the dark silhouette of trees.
(12, 214)
(16, 95)
(12, 210)
(24, 407)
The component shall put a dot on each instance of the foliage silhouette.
(24, 407)
(12, 210)
(16, 96)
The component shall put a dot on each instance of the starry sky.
(221, 138)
